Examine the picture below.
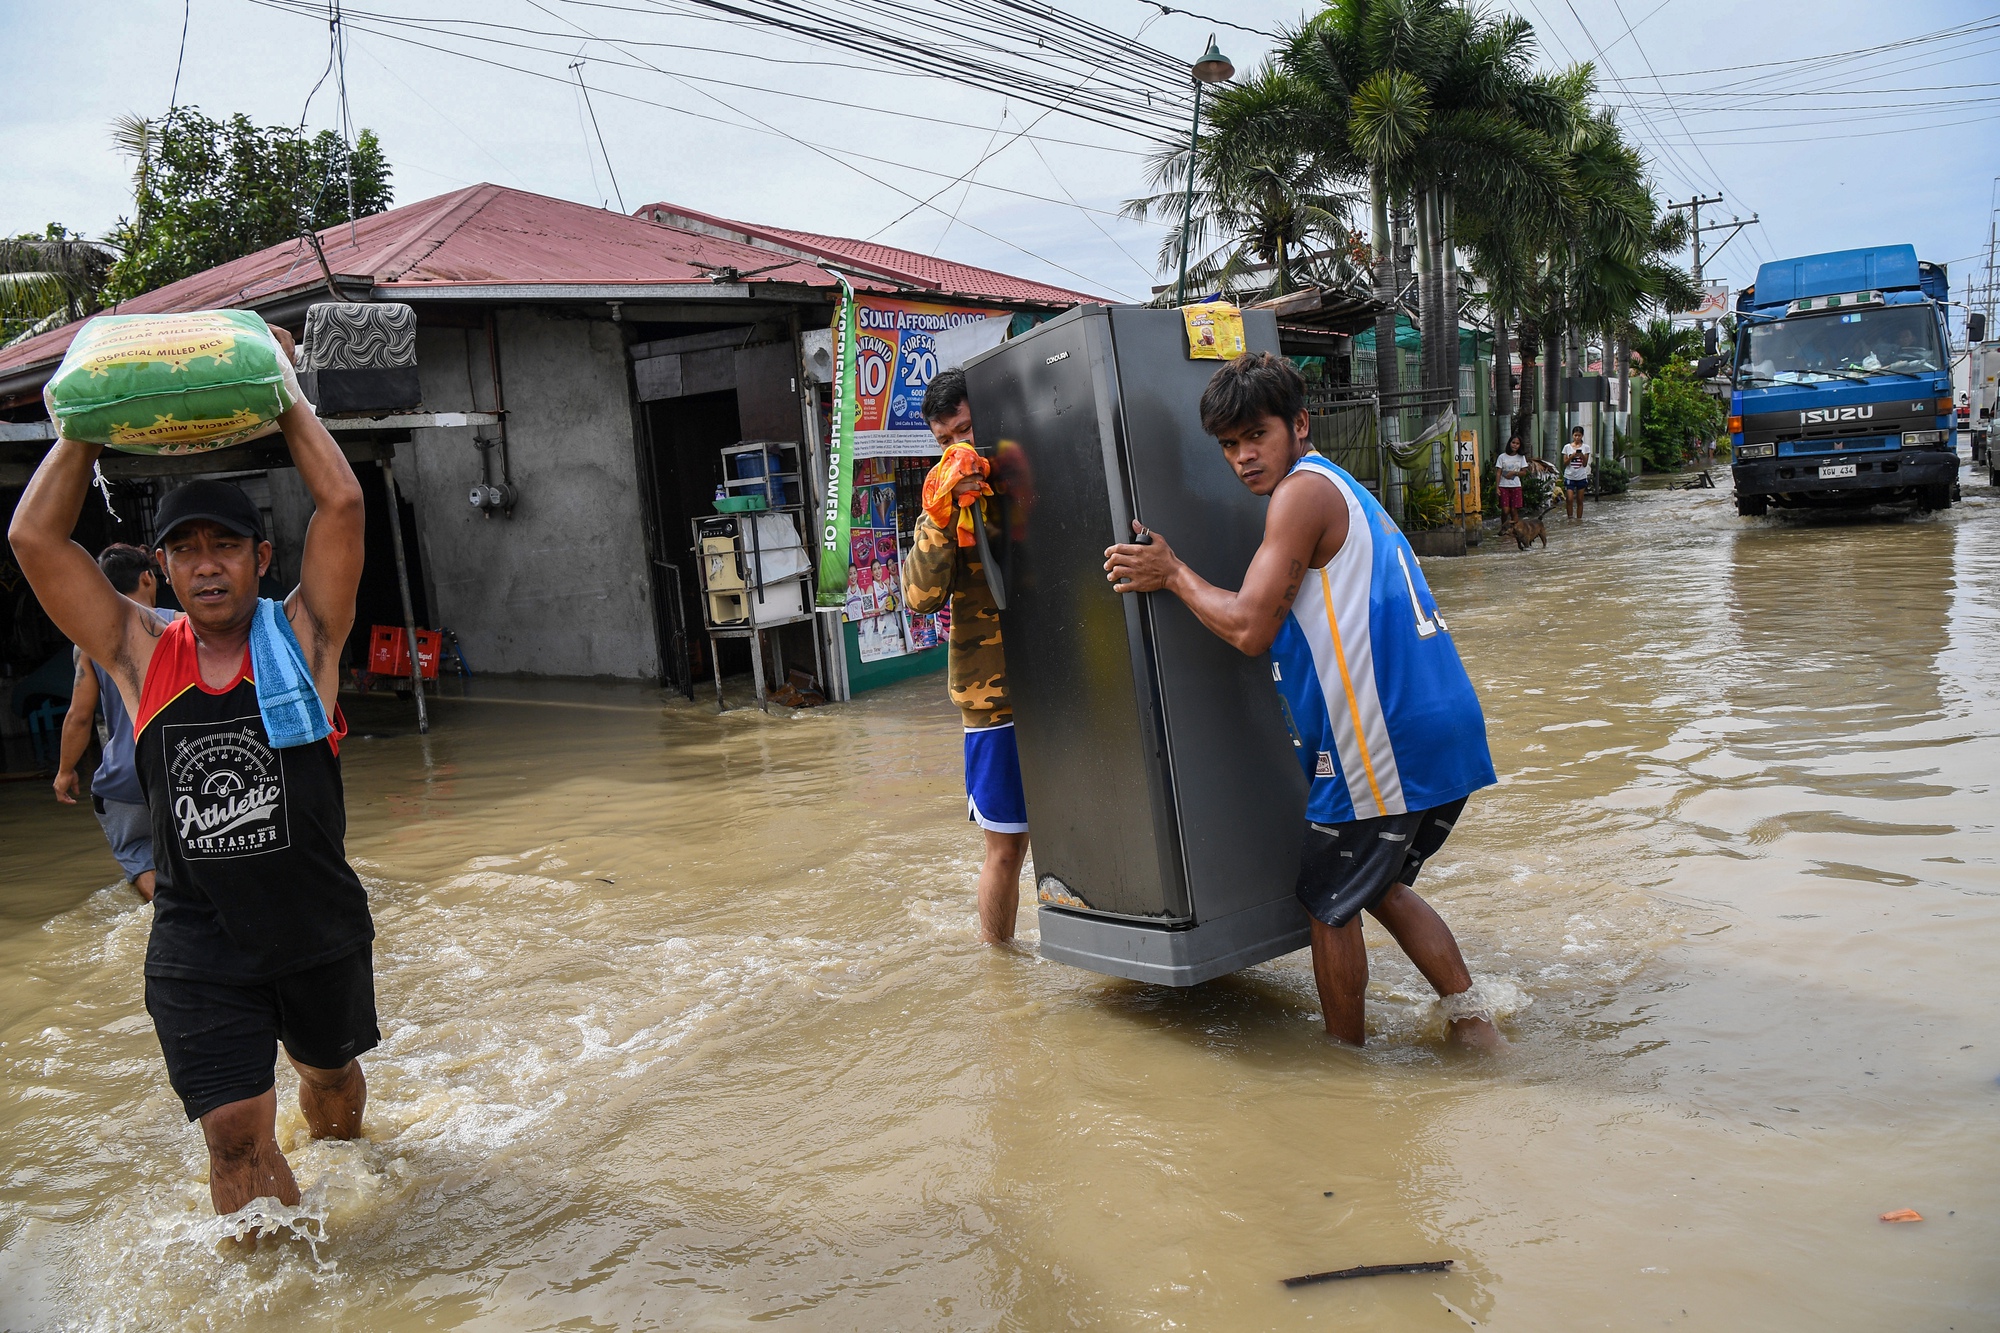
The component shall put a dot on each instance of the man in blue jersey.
(1390, 733)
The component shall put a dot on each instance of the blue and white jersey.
(1382, 711)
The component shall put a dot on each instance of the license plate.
(1831, 470)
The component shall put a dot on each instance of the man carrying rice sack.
(261, 930)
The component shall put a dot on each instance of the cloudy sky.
(1842, 129)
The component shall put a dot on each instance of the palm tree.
(49, 280)
(1258, 222)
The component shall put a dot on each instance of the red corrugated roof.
(489, 234)
(942, 276)
(483, 234)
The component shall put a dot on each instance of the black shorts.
(1347, 868)
(221, 1041)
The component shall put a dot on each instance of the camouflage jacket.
(937, 568)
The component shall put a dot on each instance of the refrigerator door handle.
(995, 583)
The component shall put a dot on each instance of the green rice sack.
(170, 384)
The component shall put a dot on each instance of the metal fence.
(1353, 425)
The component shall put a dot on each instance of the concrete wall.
(559, 589)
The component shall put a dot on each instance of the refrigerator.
(1166, 806)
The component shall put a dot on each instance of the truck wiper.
(1773, 379)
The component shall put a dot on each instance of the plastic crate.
(389, 651)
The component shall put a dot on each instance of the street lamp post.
(1213, 67)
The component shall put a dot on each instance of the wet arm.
(72, 589)
(76, 728)
(927, 570)
(321, 608)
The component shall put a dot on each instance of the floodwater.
(685, 1025)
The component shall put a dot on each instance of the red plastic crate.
(389, 651)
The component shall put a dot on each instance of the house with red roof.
(583, 373)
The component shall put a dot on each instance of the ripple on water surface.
(685, 1024)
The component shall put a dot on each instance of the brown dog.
(1526, 531)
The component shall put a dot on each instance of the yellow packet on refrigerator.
(1214, 330)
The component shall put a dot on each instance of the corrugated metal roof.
(489, 235)
(483, 234)
(925, 272)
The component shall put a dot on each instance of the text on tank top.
(248, 840)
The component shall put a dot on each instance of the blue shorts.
(993, 796)
(128, 827)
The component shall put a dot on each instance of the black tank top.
(252, 880)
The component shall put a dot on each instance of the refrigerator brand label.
(1059, 356)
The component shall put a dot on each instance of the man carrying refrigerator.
(1389, 730)
(944, 565)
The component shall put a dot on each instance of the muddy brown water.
(685, 1025)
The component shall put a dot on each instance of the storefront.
(900, 346)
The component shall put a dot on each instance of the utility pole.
(1992, 284)
(1697, 231)
(1693, 205)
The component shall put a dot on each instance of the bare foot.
(1478, 1034)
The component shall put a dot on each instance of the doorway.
(684, 441)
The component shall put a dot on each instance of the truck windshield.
(1807, 349)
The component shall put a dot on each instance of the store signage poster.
(895, 358)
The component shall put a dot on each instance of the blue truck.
(1843, 392)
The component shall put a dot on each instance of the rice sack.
(170, 384)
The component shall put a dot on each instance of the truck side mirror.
(1975, 327)
(1707, 366)
(1708, 340)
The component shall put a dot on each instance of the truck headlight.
(1756, 450)
(1914, 439)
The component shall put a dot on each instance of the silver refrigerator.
(1165, 800)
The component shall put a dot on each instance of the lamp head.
(1213, 67)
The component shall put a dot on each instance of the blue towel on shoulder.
(286, 694)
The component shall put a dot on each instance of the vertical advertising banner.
(895, 357)
(834, 517)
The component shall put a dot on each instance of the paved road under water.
(685, 1025)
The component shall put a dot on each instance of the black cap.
(216, 501)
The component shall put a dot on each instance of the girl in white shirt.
(1507, 471)
(1576, 474)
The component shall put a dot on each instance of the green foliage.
(1612, 478)
(209, 191)
(1659, 342)
(1426, 506)
(1678, 412)
(48, 280)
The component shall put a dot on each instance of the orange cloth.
(960, 462)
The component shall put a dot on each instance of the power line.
(1223, 23)
(831, 157)
(1942, 34)
(429, 26)
(577, 69)
(680, 110)
(990, 152)
(187, 12)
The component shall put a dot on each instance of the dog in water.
(1526, 531)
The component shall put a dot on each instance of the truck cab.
(1843, 392)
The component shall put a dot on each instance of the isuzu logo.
(1821, 416)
